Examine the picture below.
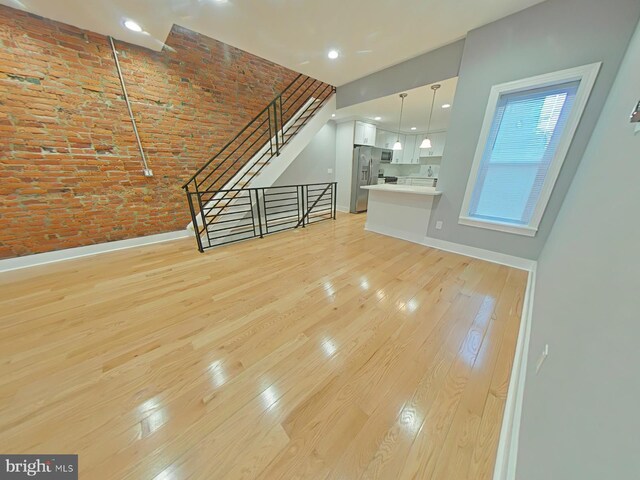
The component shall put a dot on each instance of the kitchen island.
(400, 211)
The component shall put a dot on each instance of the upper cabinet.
(437, 145)
(411, 152)
(385, 139)
(365, 134)
(398, 155)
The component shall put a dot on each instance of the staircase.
(231, 197)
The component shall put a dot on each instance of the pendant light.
(426, 143)
(398, 145)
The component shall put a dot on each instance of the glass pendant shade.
(397, 145)
(426, 143)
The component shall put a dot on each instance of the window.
(527, 130)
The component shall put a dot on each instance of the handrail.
(231, 153)
(260, 188)
(260, 211)
(201, 169)
(273, 120)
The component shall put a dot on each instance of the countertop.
(414, 189)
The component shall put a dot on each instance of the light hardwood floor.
(323, 353)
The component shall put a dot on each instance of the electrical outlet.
(329, 170)
(543, 357)
(147, 172)
(439, 225)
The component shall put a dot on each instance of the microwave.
(387, 156)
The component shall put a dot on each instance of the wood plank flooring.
(322, 353)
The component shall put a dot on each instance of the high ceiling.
(415, 113)
(369, 34)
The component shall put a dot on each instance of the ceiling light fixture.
(446, 105)
(333, 115)
(378, 118)
(414, 128)
(426, 143)
(333, 54)
(133, 26)
(398, 145)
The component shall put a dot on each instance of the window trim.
(587, 75)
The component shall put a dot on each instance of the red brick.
(70, 169)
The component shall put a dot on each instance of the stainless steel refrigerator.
(366, 164)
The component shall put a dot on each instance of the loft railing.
(256, 212)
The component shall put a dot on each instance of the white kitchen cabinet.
(421, 182)
(398, 155)
(409, 150)
(417, 151)
(385, 139)
(365, 134)
(437, 145)
(370, 134)
(391, 139)
(410, 153)
(416, 181)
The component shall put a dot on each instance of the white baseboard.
(507, 455)
(342, 209)
(488, 255)
(69, 253)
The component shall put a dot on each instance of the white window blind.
(522, 143)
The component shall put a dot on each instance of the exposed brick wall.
(70, 170)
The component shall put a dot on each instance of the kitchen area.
(389, 151)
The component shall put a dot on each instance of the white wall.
(344, 163)
(314, 162)
(581, 415)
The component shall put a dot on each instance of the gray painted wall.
(431, 67)
(312, 165)
(580, 413)
(550, 36)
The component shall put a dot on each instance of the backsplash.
(409, 170)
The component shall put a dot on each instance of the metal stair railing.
(261, 211)
(216, 186)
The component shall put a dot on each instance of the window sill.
(501, 227)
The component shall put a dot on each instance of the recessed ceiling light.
(378, 118)
(333, 115)
(333, 54)
(446, 105)
(414, 128)
(133, 26)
